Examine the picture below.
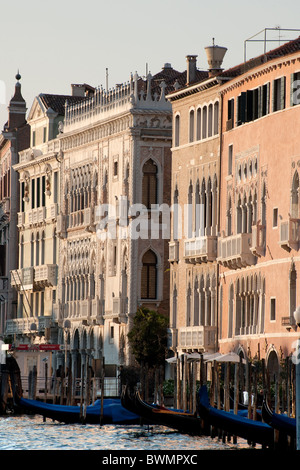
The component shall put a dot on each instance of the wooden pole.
(248, 369)
(161, 389)
(70, 388)
(142, 380)
(218, 385)
(236, 392)
(102, 389)
(255, 394)
(288, 385)
(46, 381)
(178, 384)
(81, 392)
(226, 388)
(156, 385)
(146, 383)
(184, 383)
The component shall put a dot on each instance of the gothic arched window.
(295, 197)
(149, 188)
(149, 276)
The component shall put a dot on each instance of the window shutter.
(273, 95)
(249, 106)
(242, 108)
(260, 102)
(282, 93)
(292, 89)
(268, 98)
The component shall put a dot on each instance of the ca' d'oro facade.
(78, 286)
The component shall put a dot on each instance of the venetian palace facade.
(91, 185)
(244, 265)
(218, 146)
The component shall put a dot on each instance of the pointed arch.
(190, 211)
(150, 184)
(196, 302)
(149, 275)
(230, 310)
(295, 196)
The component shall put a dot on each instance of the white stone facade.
(116, 154)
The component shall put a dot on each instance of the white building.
(116, 153)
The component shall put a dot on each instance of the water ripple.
(32, 433)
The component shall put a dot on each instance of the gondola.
(280, 422)
(185, 423)
(235, 425)
(128, 402)
(113, 412)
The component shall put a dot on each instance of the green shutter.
(282, 93)
(292, 89)
(268, 98)
(241, 108)
(273, 95)
(260, 102)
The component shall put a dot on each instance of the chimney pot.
(215, 56)
(191, 68)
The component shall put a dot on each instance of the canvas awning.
(209, 357)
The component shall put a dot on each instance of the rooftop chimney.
(191, 68)
(82, 89)
(215, 55)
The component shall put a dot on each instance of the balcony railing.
(289, 234)
(172, 338)
(61, 226)
(34, 277)
(53, 210)
(288, 322)
(21, 218)
(45, 275)
(200, 249)
(3, 283)
(258, 242)
(197, 337)
(173, 251)
(120, 305)
(235, 251)
(28, 325)
(16, 278)
(36, 216)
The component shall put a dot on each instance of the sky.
(54, 44)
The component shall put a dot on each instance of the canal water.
(32, 433)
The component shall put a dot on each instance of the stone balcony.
(21, 219)
(86, 310)
(172, 338)
(61, 226)
(36, 216)
(197, 337)
(119, 310)
(289, 234)
(200, 249)
(28, 325)
(258, 242)
(45, 275)
(173, 251)
(16, 278)
(34, 277)
(289, 322)
(234, 252)
(3, 283)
